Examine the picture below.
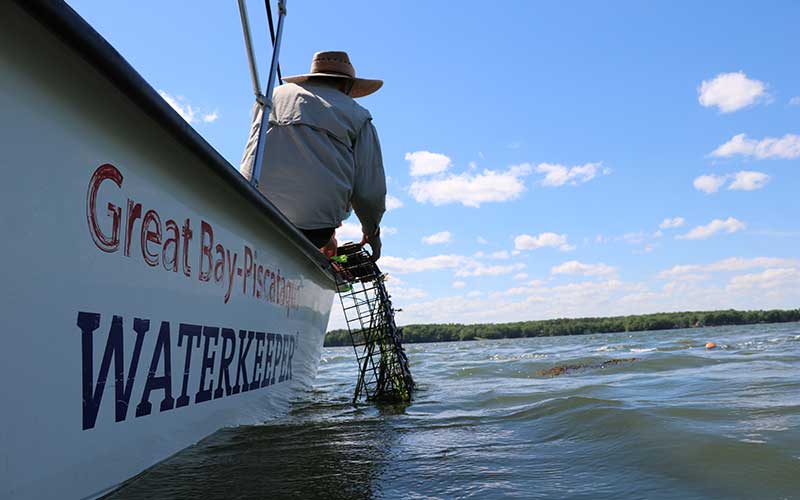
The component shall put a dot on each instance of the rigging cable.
(272, 32)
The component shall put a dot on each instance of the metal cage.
(384, 373)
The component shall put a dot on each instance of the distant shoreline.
(450, 332)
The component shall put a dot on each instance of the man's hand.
(329, 250)
(374, 242)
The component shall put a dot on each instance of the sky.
(545, 159)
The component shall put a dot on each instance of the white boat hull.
(146, 301)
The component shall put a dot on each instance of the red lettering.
(187, 237)
(219, 266)
(134, 212)
(150, 236)
(105, 243)
(205, 250)
(260, 280)
(171, 264)
(248, 267)
(231, 274)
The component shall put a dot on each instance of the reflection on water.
(341, 456)
(489, 421)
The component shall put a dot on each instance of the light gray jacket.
(321, 155)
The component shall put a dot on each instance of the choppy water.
(680, 422)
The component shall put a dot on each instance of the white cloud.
(521, 276)
(730, 264)
(401, 293)
(393, 202)
(748, 180)
(472, 189)
(478, 269)
(482, 240)
(459, 284)
(794, 101)
(401, 265)
(672, 223)
(180, 105)
(709, 183)
(729, 225)
(574, 267)
(186, 110)
(438, 238)
(767, 279)
(558, 175)
(427, 163)
(500, 255)
(349, 231)
(527, 242)
(730, 92)
(388, 230)
(786, 147)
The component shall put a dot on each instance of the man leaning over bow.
(322, 154)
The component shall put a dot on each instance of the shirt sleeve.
(369, 190)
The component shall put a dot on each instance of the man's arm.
(369, 190)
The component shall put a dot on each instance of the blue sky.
(550, 142)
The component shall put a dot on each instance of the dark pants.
(319, 237)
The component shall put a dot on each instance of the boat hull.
(146, 301)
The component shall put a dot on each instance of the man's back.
(322, 154)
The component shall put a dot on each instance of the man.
(322, 154)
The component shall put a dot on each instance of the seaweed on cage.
(383, 369)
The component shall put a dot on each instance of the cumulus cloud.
(500, 255)
(528, 242)
(403, 293)
(730, 264)
(479, 269)
(575, 267)
(767, 279)
(794, 101)
(745, 180)
(393, 202)
(730, 92)
(349, 231)
(471, 190)
(401, 265)
(709, 183)
(186, 110)
(481, 240)
(438, 238)
(729, 225)
(459, 284)
(427, 163)
(672, 223)
(748, 180)
(786, 147)
(521, 276)
(180, 105)
(559, 175)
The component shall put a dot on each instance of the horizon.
(544, 161)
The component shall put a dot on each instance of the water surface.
(679, 422)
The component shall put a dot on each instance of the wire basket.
(383, 371)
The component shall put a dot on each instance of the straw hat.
(337, 65)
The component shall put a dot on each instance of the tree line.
(447, 332)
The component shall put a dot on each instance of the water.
(679, 422)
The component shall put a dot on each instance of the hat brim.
(361, 86)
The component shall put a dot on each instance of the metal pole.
(273, 68)
(248, 43)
